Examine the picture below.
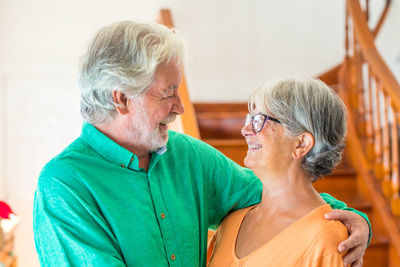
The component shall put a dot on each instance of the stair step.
(343, 170)
(239, 142)
(235, 149)
(341, 186)
(220, 120)
(377, 253)
(360, 204)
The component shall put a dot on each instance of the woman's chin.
(247, 162)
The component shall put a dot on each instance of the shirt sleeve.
(228, 186)
(336, 204)
(68, 232)
(232, 188)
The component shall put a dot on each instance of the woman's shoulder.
(323, 238)
(325, 235)
(324, 228)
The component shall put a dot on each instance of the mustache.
(170, 118)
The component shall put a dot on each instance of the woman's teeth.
(255, 146)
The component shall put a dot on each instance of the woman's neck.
(288, 189)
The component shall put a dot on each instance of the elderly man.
(129, 193)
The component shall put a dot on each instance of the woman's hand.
(359, 235)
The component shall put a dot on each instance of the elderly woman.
(295, 134)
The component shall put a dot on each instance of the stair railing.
(372, 94)
(330, 77)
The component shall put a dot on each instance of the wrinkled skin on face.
(152, 111)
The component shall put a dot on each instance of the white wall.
(234, 45)
(37, 127)
(248, 43)
(388, 41)
(3, 162)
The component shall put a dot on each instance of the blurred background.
(233, 45)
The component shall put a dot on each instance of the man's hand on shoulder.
(357, 242)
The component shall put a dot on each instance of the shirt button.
(163, 217)
(122, 165)
(173, 257)
(131, 159)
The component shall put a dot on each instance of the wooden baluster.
(346, 41)
(354, 77)
(369, 120)
(367, 10)
(386, 183)
(378, 167)
(395, 201)
(353, 81)
(360, 95)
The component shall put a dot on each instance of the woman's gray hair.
(123, 56)
(307, 105)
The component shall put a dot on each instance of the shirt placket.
(164, 222)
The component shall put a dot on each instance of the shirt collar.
(111, 150)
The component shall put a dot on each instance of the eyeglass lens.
(258, 121)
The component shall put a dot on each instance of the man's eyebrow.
(173, 87)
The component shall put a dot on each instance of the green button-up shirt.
(94, 206)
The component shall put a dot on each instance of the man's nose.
(178, 106)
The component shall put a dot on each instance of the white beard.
(150, 138)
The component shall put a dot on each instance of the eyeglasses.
(258, 121)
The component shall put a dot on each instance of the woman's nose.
(247, 130)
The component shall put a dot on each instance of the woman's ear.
(121, 102)
(304, 143)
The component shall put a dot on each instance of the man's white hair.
(123, 56)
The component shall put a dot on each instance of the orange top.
(310, 241)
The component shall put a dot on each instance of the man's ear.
(121, 102)
(304, 143)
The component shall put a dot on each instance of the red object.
(5, 210)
